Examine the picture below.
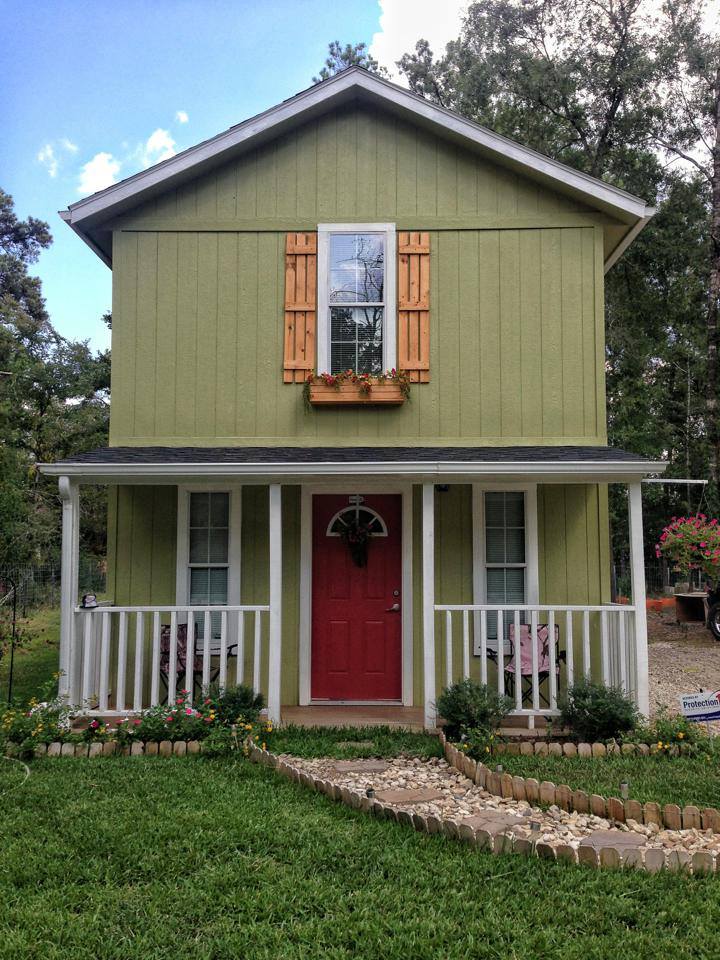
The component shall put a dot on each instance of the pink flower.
(94, 724)
(189, 711)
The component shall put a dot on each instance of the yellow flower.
(681, 735)
(487, 749)
(660, 745)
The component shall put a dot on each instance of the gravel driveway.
(683, 659)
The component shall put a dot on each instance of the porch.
(124, 657)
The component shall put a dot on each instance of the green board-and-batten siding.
(517, 342)
(572, 542)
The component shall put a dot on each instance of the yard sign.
(701, 706)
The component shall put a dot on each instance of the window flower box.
(350, 389)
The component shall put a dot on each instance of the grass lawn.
(35, 661)
(150, 859)
(678, 780)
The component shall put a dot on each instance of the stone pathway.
(434, 789)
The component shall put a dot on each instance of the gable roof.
(87, 216)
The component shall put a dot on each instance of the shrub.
(479, 742)
(470, 705)
(219, 742)
(668, 731)
(594, 711)
(36, 722)
(235, 704)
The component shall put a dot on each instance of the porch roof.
(262, 464)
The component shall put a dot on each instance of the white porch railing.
(116, 664)
(593, 641)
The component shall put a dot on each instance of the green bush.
(235, 704)
(669, 731)
(219, 743)
(470, 705)
(595, 712)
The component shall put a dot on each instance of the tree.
(351, 55)
(54, 396)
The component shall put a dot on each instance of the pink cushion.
(526, 659)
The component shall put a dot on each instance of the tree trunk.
(713, 310)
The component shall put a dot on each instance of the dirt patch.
(683, 657)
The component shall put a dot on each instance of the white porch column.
(275, 652)
(428, 588)
(637, 572)
(69, 563)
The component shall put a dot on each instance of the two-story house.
(355, 542)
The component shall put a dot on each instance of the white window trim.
(323, 281)
(182, 569)
(531, 565)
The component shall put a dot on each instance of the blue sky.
(94, 91)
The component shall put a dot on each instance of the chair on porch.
(526, 659)
(181, 662)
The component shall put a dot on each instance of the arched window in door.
(358, 516)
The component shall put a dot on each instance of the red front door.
(356, 610)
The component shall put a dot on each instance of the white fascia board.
(339, 88)
(569, 471)
(628, 239)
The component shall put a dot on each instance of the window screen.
(505, 564)
(357, 302)
(209, 546)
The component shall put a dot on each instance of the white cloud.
(98, 173)
(47, 158)
(159, 146)
(181, 116)
(402, 24)
(68, 145)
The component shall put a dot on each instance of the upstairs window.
(356, 298)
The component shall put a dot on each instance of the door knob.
(395, 608)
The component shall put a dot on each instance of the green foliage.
(669, 734)
(692, 543)
(38, 721)
(344, 743)
(479, 742)
(470, 705)
(351, 55)
(235, 704)
(595, 712)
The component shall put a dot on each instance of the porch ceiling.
(559, 464)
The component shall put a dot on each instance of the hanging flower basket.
(692, 543)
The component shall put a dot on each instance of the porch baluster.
(155, 678)
(466, 645)
(121, 661)
(172, 666)
(190, 655)
(139, 640)
(534, 652)
(622, 643)
(518, 662)
(256, 654)
(448, 648)
(87, 657)
(551, 651)
(104, 661)
(483, 646)
(586, 643)
(569, 652)
(207, 631)
(240, 659)
(500, 653)
(604, 658)
(223, 650)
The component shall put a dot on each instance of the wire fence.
(660, 577)
(39, 586)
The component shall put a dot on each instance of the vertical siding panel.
(427, 173)
(590, 543)
(248, 320)
(512, 385)
(599, 282)
(206, 334)
(407, 171)
(246, 186)
(141, 546)
(145, 335)
(531, 365)
(368, 170)
(112, 544)
(123, 555)
(490, 333)
(166, 205)
(267, 187)
(604, 538)
(556, 566)
(185, 373)
(165, 352)
(467, 185)
(206, 197)
(124, 306)
(470, 341)
(450, 342)
(164, 536)
(507, 191)
(589, 356)
(447, 180)
(572, 360)
(387, 165)
(551, 334)
(306, 159)
(187, 200)
(268, 356)
(227, 192)
(286, 172)
(346, 153)
(326, 170)
(488, 188)
(227, 329)
(291, 594)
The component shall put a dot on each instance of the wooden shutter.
(300, 306)
(413, 287)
